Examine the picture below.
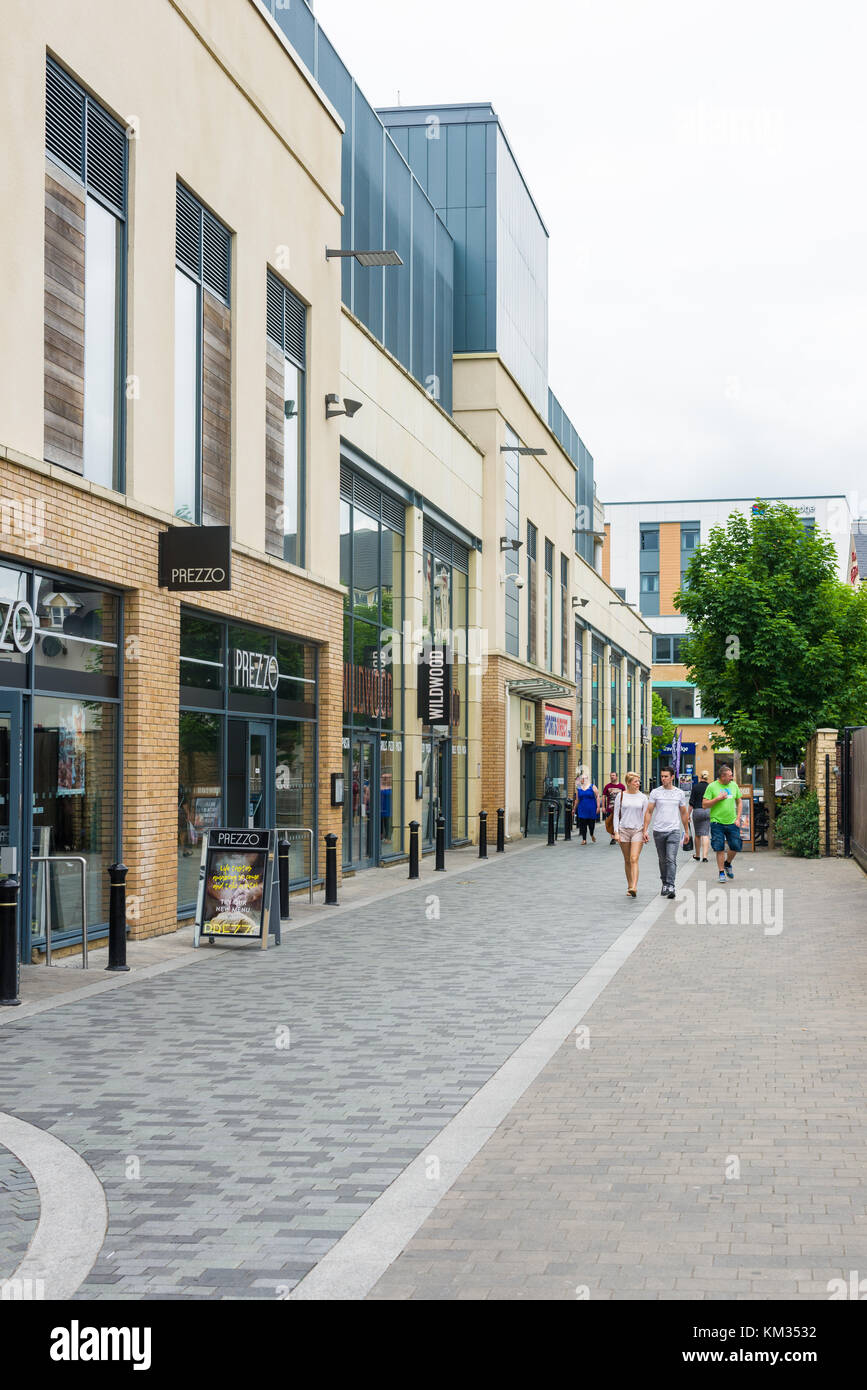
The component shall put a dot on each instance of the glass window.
(13, 590)
(650, 583)
(391, 571)
(187, 379)
(202, 663)
(293, 464)
(78, 631)
(345, 546)
(296, 662)
(296, 788)
(365, 565)
(650, 538)
(74, 806)
(200, 784)
(101, 343)
(689, 538)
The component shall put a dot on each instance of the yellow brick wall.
(86, 532)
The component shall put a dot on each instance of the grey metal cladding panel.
(368, 231)
(475, 340)
(476, 177)
(456, 148)
(417, 154)
(648, 604)
(436, 151)
(424, 251)
(398, 236)
(334, 78)
(476, 264)
(400, 136)
(491, 148)
(299, 26)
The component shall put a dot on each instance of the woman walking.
(587, 803)
(629, 829)
(700, 819)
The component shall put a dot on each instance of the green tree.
(661, 719)
(777, 644)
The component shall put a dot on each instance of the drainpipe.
(507, 688)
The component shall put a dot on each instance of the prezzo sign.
(195, 557)
(558, 726)
(18, 624)
(254, 670)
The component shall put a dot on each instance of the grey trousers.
(667, 846)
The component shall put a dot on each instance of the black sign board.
(435, 684)
(237, 886)
(196, 557)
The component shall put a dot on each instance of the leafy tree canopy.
(778, 644)
(661, 719)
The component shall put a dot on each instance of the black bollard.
(413, 849)
(283, 870)
(501, 830)
(331, 870)
(551, 809)
(9, 971)
(483, 834)
(441, 844)
(567, 821)
(116, 917)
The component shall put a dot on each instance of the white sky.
(700, 167)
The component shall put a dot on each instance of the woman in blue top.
(586, 805)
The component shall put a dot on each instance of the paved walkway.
(243, 1114)
(708, 1143)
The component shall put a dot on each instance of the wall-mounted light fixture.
(619, 603)
(366, 258)
(506, 543)
(521, 449)
(582, 602)
(350, 408)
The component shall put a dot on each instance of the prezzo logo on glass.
(255, 670)
(18, 625)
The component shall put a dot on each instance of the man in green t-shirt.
(723, 799)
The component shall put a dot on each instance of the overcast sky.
(700, 168)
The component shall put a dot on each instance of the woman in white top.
(629, 829)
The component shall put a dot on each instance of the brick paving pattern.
(19, 1212)
(252, 1158)
(709, 1144)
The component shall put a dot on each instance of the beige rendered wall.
(218, 101)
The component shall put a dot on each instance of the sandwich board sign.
(239, 893)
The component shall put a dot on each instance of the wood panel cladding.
(64, 321)
(274, 447)
(216, 410)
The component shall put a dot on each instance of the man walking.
(609, 796)
(724, 801)
(667, 806)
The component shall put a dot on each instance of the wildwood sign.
(368, 690)
(434, 685)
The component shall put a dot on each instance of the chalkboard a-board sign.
(238, 887)
(745, 824)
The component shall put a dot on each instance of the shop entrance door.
(11, 842)
(250, 777)
(361, 806)
(436, 767)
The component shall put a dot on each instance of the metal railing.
(542, 826)
(64, 859)
(300, 830)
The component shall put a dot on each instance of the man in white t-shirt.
(667, 807)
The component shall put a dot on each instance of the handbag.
(609, 823)
(687, 844)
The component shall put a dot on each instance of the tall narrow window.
(512, 480)
(285, 473)
(531, 592)
(564, 622)
(203, 364)
(549, 606)
(85, 253)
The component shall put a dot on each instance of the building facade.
(189, 364)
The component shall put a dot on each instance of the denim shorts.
(722, 835)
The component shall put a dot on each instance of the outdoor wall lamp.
(582, 602)
(366, 258)
(350, 408)
(521, 449)
(506, 543)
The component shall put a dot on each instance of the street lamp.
(365, 258)
(522, 449)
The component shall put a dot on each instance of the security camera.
(519, 581)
